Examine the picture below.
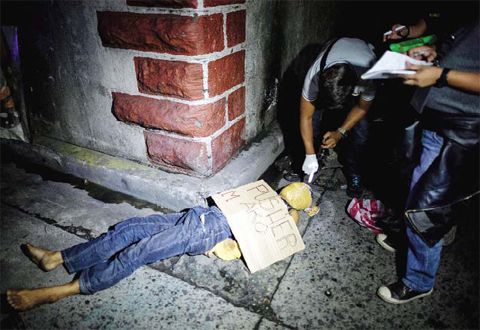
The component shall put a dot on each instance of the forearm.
(418, 29)
(307, 136)
(306, 128)
(467, 81)
(330, 139)
(353, 117)
(428, 75)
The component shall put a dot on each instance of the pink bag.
(365, 212)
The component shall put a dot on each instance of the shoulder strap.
(325, 55)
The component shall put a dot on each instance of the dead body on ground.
(113, 256)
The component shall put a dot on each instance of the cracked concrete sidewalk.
(329, 285)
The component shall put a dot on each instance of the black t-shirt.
(444, 18)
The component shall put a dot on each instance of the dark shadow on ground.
(94, 190)
(288, 109)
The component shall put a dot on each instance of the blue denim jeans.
(135, 242)
(423, 261)
(352, 150)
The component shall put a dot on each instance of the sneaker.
(354, 186)
(382, 239)
(399, 293)
(450, 236)
(293, 177)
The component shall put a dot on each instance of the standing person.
(333, 83)
(446, 173)
(442, 19)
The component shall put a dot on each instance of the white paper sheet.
(391, 64)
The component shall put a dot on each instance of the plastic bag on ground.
(365, 212)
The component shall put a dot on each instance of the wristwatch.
(408, 32)
(442, 81)
(343, 132)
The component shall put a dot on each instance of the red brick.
(170, 78)
(164, 3)
(213, 3)
(178, 154)
(162, 33)
(236, 27)
(226, 73)
(227, 144)
(190, 120)
(236, 103)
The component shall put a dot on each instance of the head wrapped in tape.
(227, 250)
(298, 195)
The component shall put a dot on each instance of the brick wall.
(190, 76)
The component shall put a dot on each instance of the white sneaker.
(382, 239)
(399, 293)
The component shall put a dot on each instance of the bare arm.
(428, 75)
(416, 30)
(330, 139)
(467, 81)
(306, 114)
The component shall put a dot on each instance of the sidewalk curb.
(173, 191)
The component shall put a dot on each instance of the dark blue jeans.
(351, 152)
(135, 242)
(423, 261)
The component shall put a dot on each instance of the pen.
(397, 29)
(421, 53)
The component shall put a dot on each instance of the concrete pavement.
(329, 285)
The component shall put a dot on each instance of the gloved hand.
(310, 165)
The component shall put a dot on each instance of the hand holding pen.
(427, 53)
(398, 31)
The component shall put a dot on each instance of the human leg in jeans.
(159, 237)
(316, 128)
(88, 254)
(422, 261)
(190, 235)
(352, 153)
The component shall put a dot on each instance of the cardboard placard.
(260, 222)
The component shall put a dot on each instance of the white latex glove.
(310, 165)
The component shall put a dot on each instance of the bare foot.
(26, 299)
(45, 259)
(23, 300)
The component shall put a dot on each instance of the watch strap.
(442, 81)
(408, 32)
(343, 132)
